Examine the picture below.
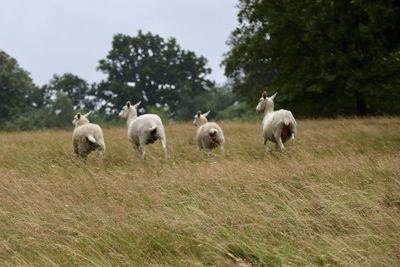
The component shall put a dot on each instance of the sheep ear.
(87, 114)
(206, 114)
(137, 104)
(78, 115)
(198, 113)
(128, 104)
(264, 94)
(273, 96)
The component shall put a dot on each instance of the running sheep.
(87, 137)
(277, 126)
(144, 129)
(209, 134)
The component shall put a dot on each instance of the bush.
(239, 112)
(159, 111)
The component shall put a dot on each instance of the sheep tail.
(91, 138)
(212, 132)
(153, 129)
(286, 121)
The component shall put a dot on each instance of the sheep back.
(280, 121)
(87, 138)
(210, 135)
(146, 129)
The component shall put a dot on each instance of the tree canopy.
(76, 88)
(146, 67)
(17, 92)
(324, 57)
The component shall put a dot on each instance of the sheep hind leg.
(266, 146)
(279, 144)
(102, 149)
(292, 138)
(101, 155)
(142, 152)
(82, 151)
(164, 147)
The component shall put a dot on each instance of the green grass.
(331, 199)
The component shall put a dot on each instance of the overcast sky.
(49, 37)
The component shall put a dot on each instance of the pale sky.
(49, 37)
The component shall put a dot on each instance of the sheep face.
(200, 119)
(266, 104)
(129, 110)
(80, 119)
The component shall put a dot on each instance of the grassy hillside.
(332, 198)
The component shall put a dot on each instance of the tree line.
(169, 80)
(325, 58)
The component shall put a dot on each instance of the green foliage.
(146, 67)
(160, 112)
(29, 121)
(18, 94)
(24, 106)
(76, 88)
(240, 112)
(57, 115)
(62, 111)
(224, 105)
(324, 57)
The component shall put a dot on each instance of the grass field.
(331, 199)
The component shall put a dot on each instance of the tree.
(325, 58)
(18, 94)
(76, 88)
(146, 67)
(61, 111)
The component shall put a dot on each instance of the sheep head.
(80, 119)
(200, 119)
(266, 104)
(129, 110)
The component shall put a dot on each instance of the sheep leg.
(200, 144)
(279, 144)
(164, 147)
(101, 155)
(75, 144)
(266, 146)
(102, 149)
(293, 132)
(82, 150)
(222, 149)
(142, 152)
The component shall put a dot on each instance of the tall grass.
(332, 198)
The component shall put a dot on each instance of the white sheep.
(277, 126)
(209, 134)
(144, 129)
(87, 136)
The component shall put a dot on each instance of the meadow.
(330, 199)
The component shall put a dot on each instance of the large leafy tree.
(149, 68)
(76, 88)
(327, 58)
(18, 94)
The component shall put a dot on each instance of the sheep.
(277, 126)
(209, 134)
(87, 136)
(144, 129)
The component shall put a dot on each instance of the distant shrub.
(159, 111)
(239, 112)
